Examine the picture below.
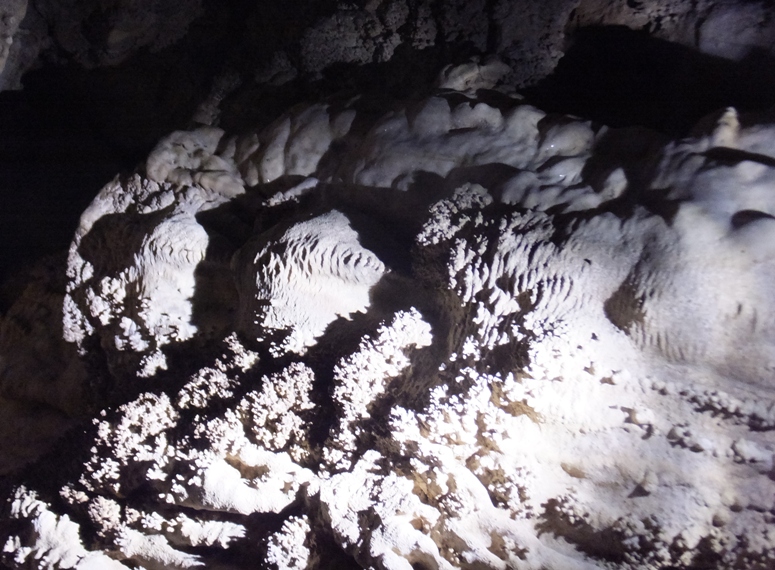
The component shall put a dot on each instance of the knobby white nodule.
(462, 336)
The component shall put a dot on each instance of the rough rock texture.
(91, 33)
(447, 333)
(105, 79)
(726, 28)
(35, 413)
(105, 32)
(308, 39)
(22, 36)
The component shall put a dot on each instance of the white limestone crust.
(548, 381)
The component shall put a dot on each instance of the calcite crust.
(459, 335)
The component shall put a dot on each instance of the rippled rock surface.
(447, 333)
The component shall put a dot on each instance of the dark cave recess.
(71, 130)
(622, 77)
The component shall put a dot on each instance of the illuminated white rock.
(301, 281)
(192, 157)
(452, 347)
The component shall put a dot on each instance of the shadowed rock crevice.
(622, 77)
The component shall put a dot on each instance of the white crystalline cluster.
(453, 344)
(138, 436)
(188, 531)
(217, 381)
(213, 466)
(286, 548)
(273, 413)
(370, 496)
(54, 541)
(361, 378)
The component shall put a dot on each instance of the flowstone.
(458, 336)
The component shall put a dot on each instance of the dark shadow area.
(606, 544)
(733, 156)
(410, 73)
(623, 77)
(745, 217)
(488, 175)
(51, 166)
(116, 239)
(614, 547)
(71, 130)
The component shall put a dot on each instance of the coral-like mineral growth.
(457, 334)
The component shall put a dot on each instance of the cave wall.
(106, 79)
(375, 284)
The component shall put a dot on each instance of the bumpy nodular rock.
(456, 335)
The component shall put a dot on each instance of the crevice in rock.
(622, 77)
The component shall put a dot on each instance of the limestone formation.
(447, 335)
